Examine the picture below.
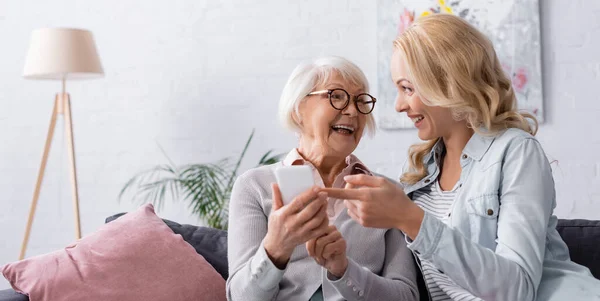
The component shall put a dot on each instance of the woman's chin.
(424, 135)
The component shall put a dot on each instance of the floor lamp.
(60, 54)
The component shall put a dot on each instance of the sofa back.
(581, 236)
(583, 239)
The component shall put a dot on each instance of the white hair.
(307, 76)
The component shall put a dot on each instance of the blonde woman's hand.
(303, 219)
(329, 251)
(379, 203)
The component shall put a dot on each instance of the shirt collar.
(476, 147)
(436, 152)
(294, 158)
(479, 144)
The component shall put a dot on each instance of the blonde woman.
(481, 220)
(311, 249)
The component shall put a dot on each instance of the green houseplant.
(206, 186)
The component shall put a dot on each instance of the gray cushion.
(583, 239)
(209, 242)
(10, 295)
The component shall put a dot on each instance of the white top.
(439, 203)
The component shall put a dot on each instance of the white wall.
(178, 71)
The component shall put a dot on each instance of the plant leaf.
(266, 159)
(239, 162)
(147, 186)
(207, 187)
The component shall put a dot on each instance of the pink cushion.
(136, 257)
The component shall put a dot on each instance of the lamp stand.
(62, 105)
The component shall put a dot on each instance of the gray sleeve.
(252, 275)
(398, 279)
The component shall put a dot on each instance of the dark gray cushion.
(10, 295)
(209, 242)
(583, 239)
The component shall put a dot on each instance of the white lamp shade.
(62, 53)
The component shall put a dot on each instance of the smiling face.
(432, 122)
(327, 130)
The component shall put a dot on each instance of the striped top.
(439, 203)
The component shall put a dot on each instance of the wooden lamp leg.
(73, 171)
(40, 178)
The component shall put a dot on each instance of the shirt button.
(361, 293)
(449, 214)
(440, 271)
(464, 156)
(490, 212)
(427, 181)
(348, 283)
(354, 288)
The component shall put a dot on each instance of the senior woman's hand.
(301, 220)
(329, 251)
(379, 203)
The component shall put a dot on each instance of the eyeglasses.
(340, 99)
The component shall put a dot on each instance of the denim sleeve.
(513, 271)
(397, 280)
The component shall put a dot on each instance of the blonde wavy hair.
(453, 65)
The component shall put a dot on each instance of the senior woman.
(311, 249)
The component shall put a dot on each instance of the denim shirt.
(500, 241)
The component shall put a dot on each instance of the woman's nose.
(350, 109)
(401, 104)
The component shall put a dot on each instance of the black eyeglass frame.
(330, 92)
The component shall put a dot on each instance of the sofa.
(581, 236)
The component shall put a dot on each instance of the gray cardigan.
(380, 266)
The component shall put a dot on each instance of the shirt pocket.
(483, 219)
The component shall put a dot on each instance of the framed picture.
(513, 27)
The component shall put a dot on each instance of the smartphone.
(293, 180)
